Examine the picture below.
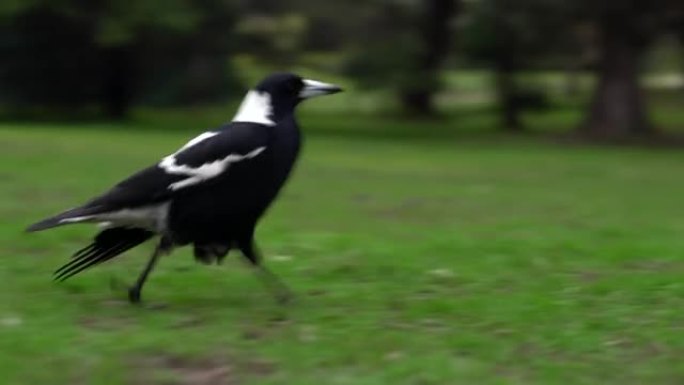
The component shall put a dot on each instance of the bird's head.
(277, 95)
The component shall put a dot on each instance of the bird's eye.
(293, 85)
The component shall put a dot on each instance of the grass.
(432, 259)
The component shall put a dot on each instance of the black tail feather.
(107, 245)
(62, 218)
(77, 257)
(88, 260)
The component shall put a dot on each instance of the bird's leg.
(282, 293)
(134, 291)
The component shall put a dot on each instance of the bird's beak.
(313, 88)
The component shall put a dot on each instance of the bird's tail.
(107, 245)
(76, 215)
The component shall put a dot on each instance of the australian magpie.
(210, 193)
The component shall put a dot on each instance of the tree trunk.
(617, 108)
(506, 92)
(681, 51)
(418, 101)
(118, 83)
(435, 37)
(505, 67)
(572, 79)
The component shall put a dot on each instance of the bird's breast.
(287, 144)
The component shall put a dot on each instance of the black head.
(278, 94)
(284, 85)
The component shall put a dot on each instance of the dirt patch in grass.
(653, 266)
(588, 276)
(172, 369)
(99, 323)
(277, 324)
(189, 322)
(218, 369)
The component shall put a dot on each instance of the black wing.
(196, 164)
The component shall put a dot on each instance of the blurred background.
(613, 69)
(496, 199)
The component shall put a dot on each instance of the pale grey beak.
(313, 88)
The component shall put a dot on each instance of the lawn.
(453, 259)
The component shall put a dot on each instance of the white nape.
(205, 171)
(256, 108)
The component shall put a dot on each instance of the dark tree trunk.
(435, 37)
(418, 102)
(118, 86)
(507, 91)
(572, 79)
(681, 50)
(617, 108)
(505, 68)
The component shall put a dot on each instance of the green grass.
(460, 259)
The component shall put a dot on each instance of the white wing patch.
(196, 140)
(256, 107)
(205, 171)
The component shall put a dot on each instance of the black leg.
(282, 293)
(134, 292)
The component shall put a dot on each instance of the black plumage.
(107, 245)
(211, 193)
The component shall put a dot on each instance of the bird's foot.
(283, 295)
(134, 295)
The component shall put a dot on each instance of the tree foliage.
(510, 37)
(402, 46)
(113, 53)
(70, 53)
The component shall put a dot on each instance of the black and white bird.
(210, 193)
